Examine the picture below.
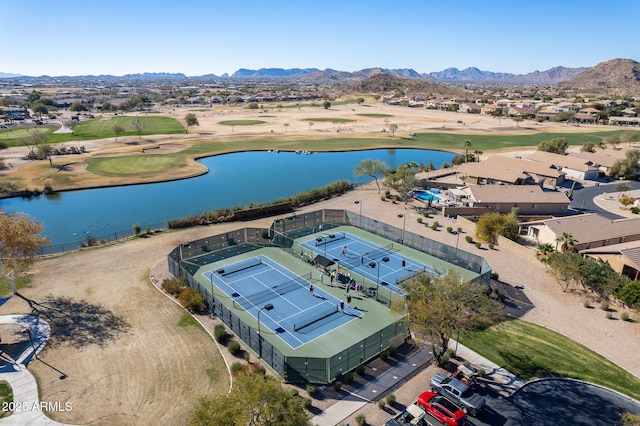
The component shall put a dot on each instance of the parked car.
(458, 393)
(442, 409)
(413, 415)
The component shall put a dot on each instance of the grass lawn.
(375, 115)
(187, 320)
(132, 165)
(529, 351)
(330, 120)
(492, 142)
(6, 396)
(241, 122)
(97, 128)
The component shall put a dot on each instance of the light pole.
(374, 264)
(266, 307)
(359, 217)
(404, 222)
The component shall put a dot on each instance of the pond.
(233, 180)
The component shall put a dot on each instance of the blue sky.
(196, 37)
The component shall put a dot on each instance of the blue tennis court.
(284, 300)
(383, 265)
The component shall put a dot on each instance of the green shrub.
(311, 390)
(174, 286)
(586, 304)
(220, 333)
(478, 244)
(491, 246)
(604, 305)
(233, 347)
(360, 370)
(387, 193)
(236, 367)
(391, 399)
(348, 378)
(392, 350)
(337, 385)
(481, 372)
(468, 239)
(449, 229)
(294, 392)
(192, 299)
(384, 355)
(361, 420)
(635, 210)
(383, 198)
(382, 404)
(459, 230)
(434, 226)
(307, 403)
(446, 357)
(419, 220)
(624, 316)
(608, 315)
(261, 370)
(426, 224)
(425, 214)
(495, 276)
(136, 229)
(247, 357)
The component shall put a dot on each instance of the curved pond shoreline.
(232, 180)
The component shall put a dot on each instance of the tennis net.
(317, 313)
(369, 256)
(277, 290)
(329, 238)
(240, 267)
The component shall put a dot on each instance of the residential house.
(527, 199)
(470, 108)
(624, 121)
(587, 230)
(513, 171)
(490, 109)
(623, 258)
(575, 167)
(548, 112)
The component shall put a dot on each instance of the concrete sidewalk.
(374, 389)
(27, 407)
(497, 378)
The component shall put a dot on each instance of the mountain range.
(314, 75)
(621, 76)
(471, 74)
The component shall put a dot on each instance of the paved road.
(586, 195)
(556, 402)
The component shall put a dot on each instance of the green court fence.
(185, 259)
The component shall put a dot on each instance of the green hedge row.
(264, 209)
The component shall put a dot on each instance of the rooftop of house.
(564, 161)
(516, 194)
(587, 228)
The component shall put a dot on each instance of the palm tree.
(543, 251)
(477, 153)
(566, 242)
(467, 144)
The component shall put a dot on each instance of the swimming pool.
(428, 195)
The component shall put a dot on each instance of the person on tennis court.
(404, 263)
(348, 300)
(344, 250)
(342, 305)
(311, 289)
